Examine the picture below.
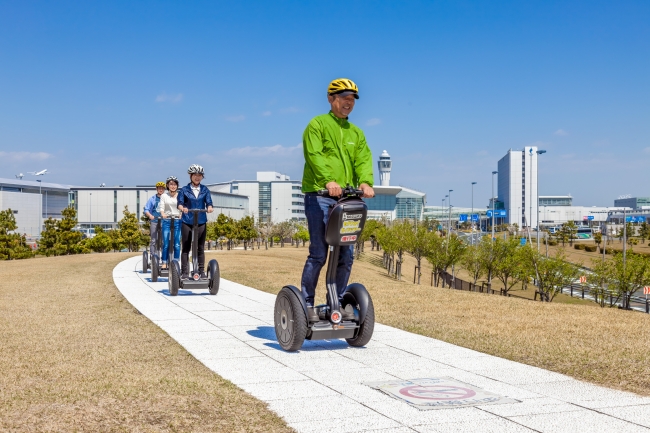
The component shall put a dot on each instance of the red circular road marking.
(437, 392)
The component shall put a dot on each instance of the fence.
(643, 304)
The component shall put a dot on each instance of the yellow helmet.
(341, 85)
(159, 184)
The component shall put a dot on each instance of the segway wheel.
(290, 321)
(154, 268)
(174, 280)
(145, 262)
(214, 277)
(364, 333)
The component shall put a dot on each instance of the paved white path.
(320, 388)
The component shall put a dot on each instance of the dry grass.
(604, 346)
(76, 356)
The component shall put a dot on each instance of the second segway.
(353, 318)
(156, 259)
(194, 282)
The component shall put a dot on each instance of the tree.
(472, 262)
(553, 273)
(101, 242)
(435, 255)
(598, 280)
(246, 230)
(59, 238)
(12, 245)
(626, 277)
(487, 256)
(130, 232)
(598, 238)
(509, 262)
(117, 242)
(418, 243)
(387, 240)
(265, 229)
(402, 232)
(644, 231)
(284, 230)
(301, 234)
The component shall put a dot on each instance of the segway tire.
(214, 277)
(174, 279)
(290, 320)
(145, 262)
(364, 333)
(154, 268)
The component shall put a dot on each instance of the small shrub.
(590, 248)
(579, 246)
(552, 243)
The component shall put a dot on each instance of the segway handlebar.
(348, 191)
(197, 210)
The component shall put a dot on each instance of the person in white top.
(168, 207)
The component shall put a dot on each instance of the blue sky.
(130, 92)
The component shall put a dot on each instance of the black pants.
(186, 245)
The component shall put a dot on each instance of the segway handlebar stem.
(348, 191)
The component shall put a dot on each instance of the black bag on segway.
(345, 222)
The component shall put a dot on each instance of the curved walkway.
(321, 387)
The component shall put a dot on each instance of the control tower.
(384, 169)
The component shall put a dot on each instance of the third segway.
(195, 281)
(357, 320)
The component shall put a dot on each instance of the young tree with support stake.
(553, 273)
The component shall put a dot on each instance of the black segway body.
(195, 282)
(345, 224)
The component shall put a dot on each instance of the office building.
(517, 186)
(104, 206)
(32, 202)
(272, 196)
(633, 202)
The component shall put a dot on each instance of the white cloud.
(252, 151)
(561, 133)
(373, 122)
(239, 118)
(25, 156)
(266, 113)
(164, 97)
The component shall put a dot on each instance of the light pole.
(471, 216)
(449, 203)
(492, 199)
(443, 207)
(539, 152)
(90, 213)
(40, 215)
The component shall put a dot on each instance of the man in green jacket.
(336, 155)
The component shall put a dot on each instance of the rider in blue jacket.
(193, 196)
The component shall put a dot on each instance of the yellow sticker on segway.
(350, 226)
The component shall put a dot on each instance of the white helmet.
(171, 179)
(195, 168)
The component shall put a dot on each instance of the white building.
(32, 202)
(104, 206)
(517, 186)
(384, 164)
(272, 196)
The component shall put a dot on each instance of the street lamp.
(449, 203)
(539, 152)
(443, 207)
(471, 216)
(40, 215)
(493, 173)
(91, 209)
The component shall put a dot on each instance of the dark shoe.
(348, 313)
(203, 276)
(185, 277)
(312, 315)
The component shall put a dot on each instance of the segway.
(292, 326)
(148, 258)
(156, 259)
(195, 282)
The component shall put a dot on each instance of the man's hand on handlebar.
(368, 192)
(334, 189)
(183, 209)
(210, 209)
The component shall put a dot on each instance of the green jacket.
(335, 150)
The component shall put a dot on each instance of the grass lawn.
(76, 356)
(606, 346)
